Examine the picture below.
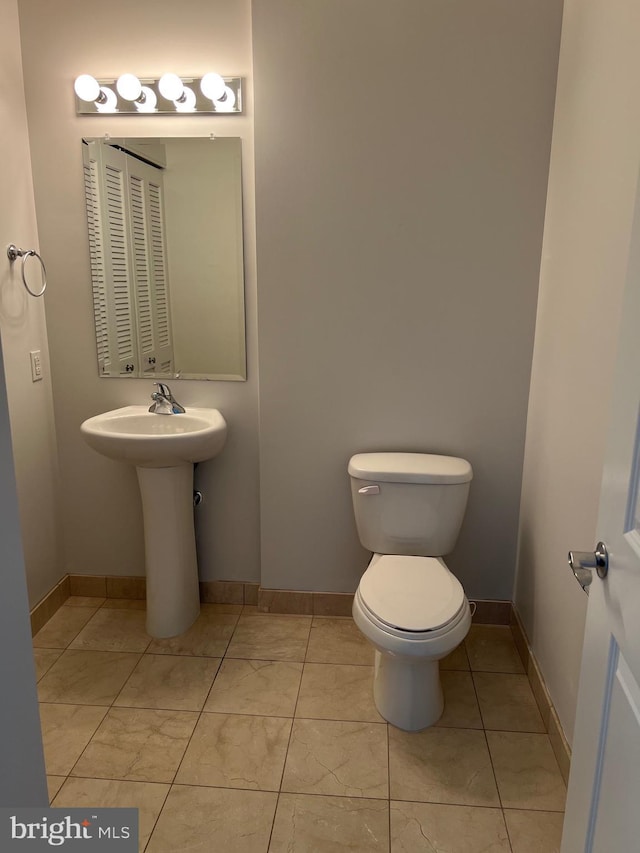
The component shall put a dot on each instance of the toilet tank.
(409, 503)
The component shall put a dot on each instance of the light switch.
(36, 365)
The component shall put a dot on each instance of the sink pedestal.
(173, 594)
(164, 449)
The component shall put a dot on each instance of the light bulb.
(129, 87)
(171, 87)
(87, 87)
(229, 102)
(148, 105)
(110, 102)
(187, 103)
(212, 86)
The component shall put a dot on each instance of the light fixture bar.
(153, 102)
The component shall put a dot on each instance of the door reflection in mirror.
(164, 219)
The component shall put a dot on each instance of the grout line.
(107, 709)
(486, 740)
(201, 712)
(293, 719)
(160, 810)
(173, 781)
(389, 782)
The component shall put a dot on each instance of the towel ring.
(13, 253)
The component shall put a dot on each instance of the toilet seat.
(408, 595)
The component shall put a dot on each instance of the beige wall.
(207, 313)
(594, 169)
(401, 167)
(100, 505)
(22, 329)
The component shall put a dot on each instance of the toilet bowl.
(409, 508)
(414, 612)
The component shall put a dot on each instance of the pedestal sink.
(163, 448)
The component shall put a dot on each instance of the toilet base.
(407, 692)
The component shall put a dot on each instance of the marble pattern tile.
(332, 603)
(491, 649)
(40, 615)
(236, 751)
(222, 592)
(441, 765)
(340, 758)
(457, 659)
(267, 637)
(527, 771)
(214, 607)
(84, 601)
(520, 639)
(559, 745)
(44, 660)
(332, 761)
(66, 730)
(49, 605)
(90, 678)
(126, 587)
(114, 631)
(306, 823)
(427, 827)
(492, 612)
(539, 691)
(169, 682)
(147, 797)
(251, 591)
(63, 627)
(336, 640)
(239, 821)
(285, 601)
(125, 604)
(266, 688)
(337, 692)
(507, 702)
(137, 744)
(460, 703)
(208, 637)
(54, 783)
(94, 585)
(534, 832)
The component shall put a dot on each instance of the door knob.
(584, 562)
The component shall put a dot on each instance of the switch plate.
(36, 365)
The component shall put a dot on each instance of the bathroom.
(395, 177)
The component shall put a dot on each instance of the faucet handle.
(164, 396)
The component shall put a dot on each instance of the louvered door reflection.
(113, 298)
(96, 255)
(128, 263)
(151, 286)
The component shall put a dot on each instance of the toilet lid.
(411, 593)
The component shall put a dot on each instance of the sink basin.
(147, 440)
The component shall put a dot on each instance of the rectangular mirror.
(164, 217)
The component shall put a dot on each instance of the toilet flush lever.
(369, 490)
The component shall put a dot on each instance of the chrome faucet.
(164, 402)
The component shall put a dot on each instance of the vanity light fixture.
(166, 95)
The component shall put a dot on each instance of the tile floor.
(256, 733)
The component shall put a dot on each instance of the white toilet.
(409, 508)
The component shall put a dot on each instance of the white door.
(603, 806)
